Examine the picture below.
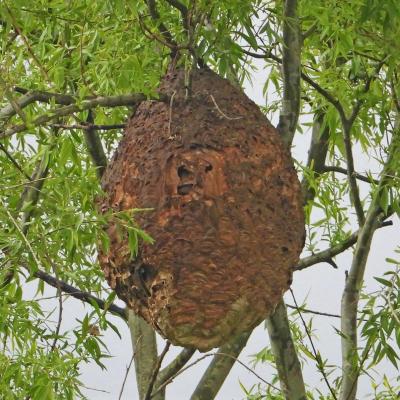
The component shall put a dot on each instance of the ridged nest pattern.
(226, 216)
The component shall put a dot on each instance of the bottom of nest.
(241, 318)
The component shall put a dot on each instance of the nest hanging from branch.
(227, 214)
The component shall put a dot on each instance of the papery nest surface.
(227, 216)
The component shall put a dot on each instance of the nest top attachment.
(226, 217)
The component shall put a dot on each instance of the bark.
(144, 347)
(219, 369)
(291, 67)
(287, 362)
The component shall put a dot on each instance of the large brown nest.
(227, 213)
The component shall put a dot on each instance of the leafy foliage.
(87, 49)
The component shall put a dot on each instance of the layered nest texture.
(226, 212)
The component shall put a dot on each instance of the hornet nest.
(226, 216)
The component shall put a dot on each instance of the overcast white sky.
(321, 285)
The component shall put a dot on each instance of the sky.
(320, 287)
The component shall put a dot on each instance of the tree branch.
(144, 347)
(286, 360)
(353, 284)
(282, 346)
(183, 10)
(30, 97)
(95, 147)
(214, 355)
(32, 190)
(175, 366)
(85, 126)
(347, 124)
(110, 101)
(316, 354)
(80, 295)
(155, 371)
(361, 100)
(316, 154)
(291, 68)
(31, 195)
(219, 368)
(354, 192)
(340, 170)
(328, 254)
(151, 4)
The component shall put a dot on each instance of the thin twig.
(317, 355)
(26, 184)
(24, 238)
(156, 369)
(126, 376)
(308, 311)
(320, 313)
(95, 389)
(310, 30)
(81, 63)
(14, 162)
(60, 313)
(340, 170)
(361, 99)
(60, 304)
(389, 295)
(26, 43)
(171, 103)
(323, 92)
(220, 111)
